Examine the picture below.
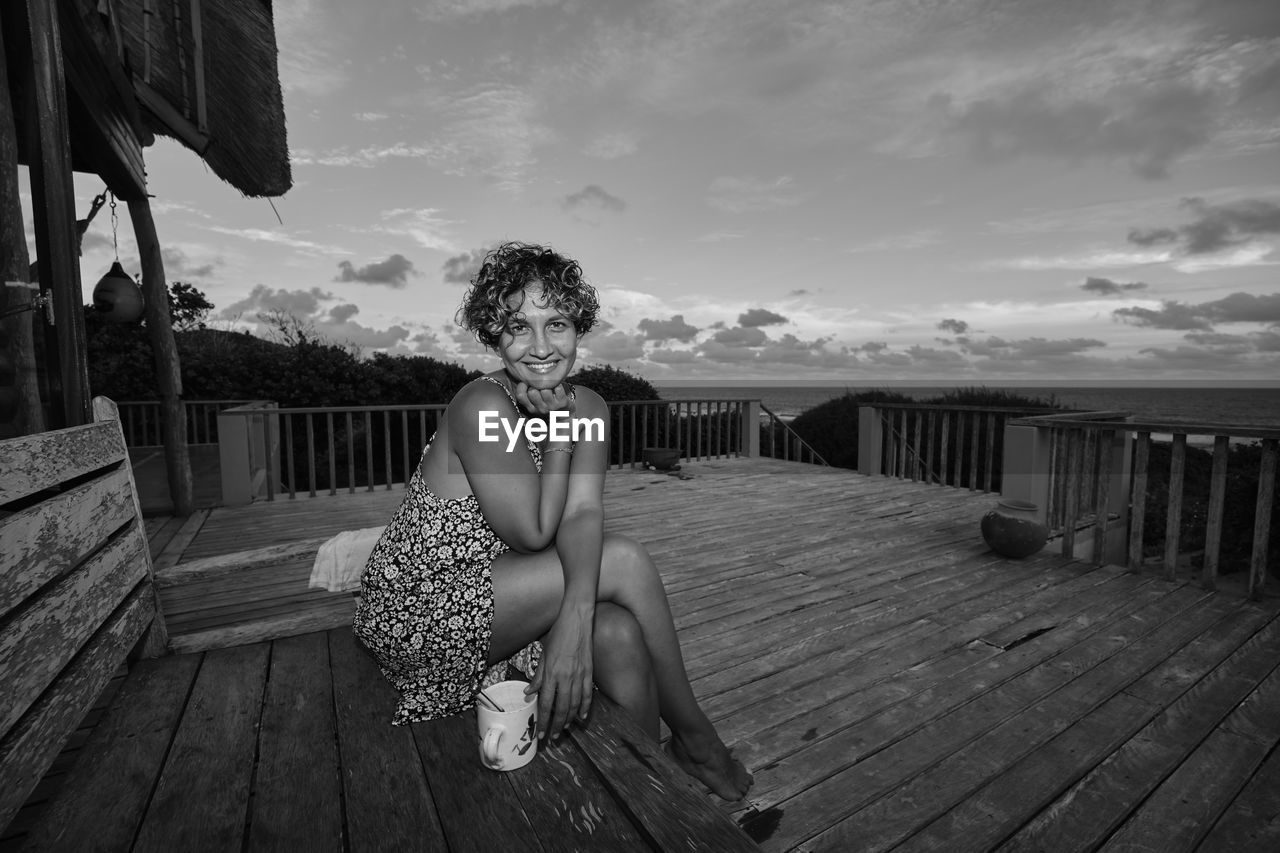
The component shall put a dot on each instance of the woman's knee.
(625, 561)
(618, 637)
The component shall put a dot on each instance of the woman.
(498, 554)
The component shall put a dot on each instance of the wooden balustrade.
(946, 445)
(779, 441)
(268, 451)
(1094, 473)
(140, 420)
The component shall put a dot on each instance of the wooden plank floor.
(287, 745)
(892, 684)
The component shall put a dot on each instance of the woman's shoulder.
(479, 395)
(588, 402)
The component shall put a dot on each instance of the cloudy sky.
(862, 190)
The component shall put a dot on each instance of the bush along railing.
(140, 420)
(1153, 493)
(270, 451)
(957, 446)
(779, 441)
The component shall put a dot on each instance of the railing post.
(870, 441)
(1026, 468)
(750, 429)
(1118, 496)
(234, 458)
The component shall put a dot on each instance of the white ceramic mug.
(508, 738)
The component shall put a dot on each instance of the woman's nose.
(541, 344)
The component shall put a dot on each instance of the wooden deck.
(891, 683)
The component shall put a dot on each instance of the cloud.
(263, 236)
(1236, 308)
(592, 199)
(393, 272)
(302, 304)
(442, 10)
(755, 317)
(749, 194)
(178, 266)
(955, 327)
(342, 313)
(461, 269)
(1170, 315)
(611, 146)
(1033, 349)
(1215, 227)
(740, 337)
(1107, 287)
(720, 236)
(615, 346)
(1148, 126)
(354, 334)
(421, 224)
(675, 329)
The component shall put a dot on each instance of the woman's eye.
(558, 325)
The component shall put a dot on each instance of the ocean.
(1257, 406)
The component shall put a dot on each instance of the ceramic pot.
(1012, 529)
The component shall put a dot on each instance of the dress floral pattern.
(426, 605)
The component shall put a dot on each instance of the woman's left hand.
(542, 402)
(564, 677)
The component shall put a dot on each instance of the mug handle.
(489, 747)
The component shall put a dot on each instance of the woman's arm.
(564, 679)
(523, 508)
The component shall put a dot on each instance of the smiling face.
(540, 343)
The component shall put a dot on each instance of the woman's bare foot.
(711, 763)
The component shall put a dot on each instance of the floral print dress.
(426, 606)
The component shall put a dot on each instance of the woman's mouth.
(541, 366)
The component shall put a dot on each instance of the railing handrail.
(949, 407)
(774, 419)
(1095, 421)
(322, 410)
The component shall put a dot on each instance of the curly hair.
(508, 269)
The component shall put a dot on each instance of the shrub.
(614, 384)
(831, 428)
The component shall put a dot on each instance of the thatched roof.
(243, 137)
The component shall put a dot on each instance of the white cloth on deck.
(340, 561)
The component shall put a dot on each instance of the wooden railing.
(312, 450)
(140, 420)
(947, 445)
(779, 441)
(1095, 474)
(699, 429)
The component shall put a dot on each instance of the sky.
(859, 190)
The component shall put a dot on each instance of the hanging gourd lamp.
(116, 297)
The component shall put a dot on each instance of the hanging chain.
(114, 245)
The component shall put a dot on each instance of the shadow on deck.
(891, 682)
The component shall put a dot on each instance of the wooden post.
(235, 459)
(1217, 500)
(750, 443)
(173, 418)
(870, 441)
(1025, 467)
(53, 197)
(25, 415)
